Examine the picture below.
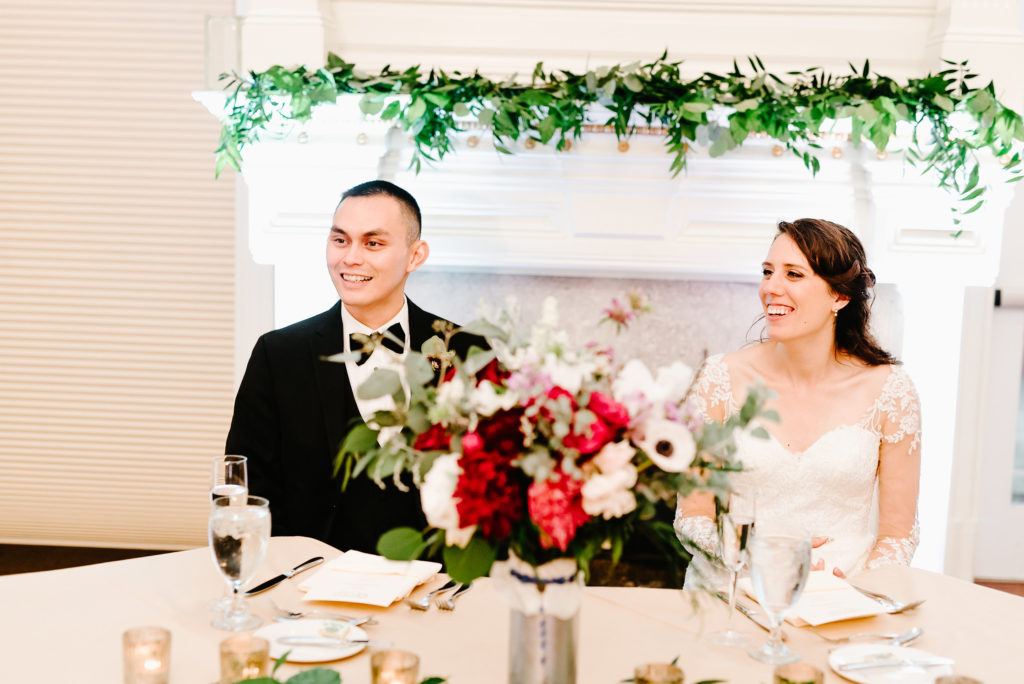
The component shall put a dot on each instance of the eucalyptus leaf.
(415, 110)
(383, 382)
(401, 543)
(465, 565)
(318, 675)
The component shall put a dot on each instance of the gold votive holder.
(798, 673)
(392, 666)
(956, 679)
(244, 656)
(147, 655)
(657, 673)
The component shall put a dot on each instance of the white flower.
(610, 496)
(438, 502)
(549, 312)
(674, 381)
(670, 445)
(634, 387)
(486, 400)
(614, 456)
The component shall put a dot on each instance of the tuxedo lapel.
(336, 397)
(421, 326)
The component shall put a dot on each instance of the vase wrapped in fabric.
(544, 453)
(544, 605)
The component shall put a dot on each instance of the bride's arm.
(899, 470)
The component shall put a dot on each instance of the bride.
(844, 460)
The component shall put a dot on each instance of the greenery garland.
(950, 121)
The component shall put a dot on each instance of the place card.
(826, 598)
(357, 577)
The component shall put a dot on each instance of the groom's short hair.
(402, 196)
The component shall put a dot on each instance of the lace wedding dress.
(830, 489)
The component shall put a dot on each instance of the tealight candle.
(798, 673)
(394, 667)
(147, 655)
(244, 656)
(657, 673)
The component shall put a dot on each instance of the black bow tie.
(366, 344)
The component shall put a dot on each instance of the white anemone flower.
(669, 444)
(438, 502)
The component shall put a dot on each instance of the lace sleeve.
(898, 421)
(710, 395)
(695, 529)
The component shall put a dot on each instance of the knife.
(274, 581)
(919, 662)
(748, 613)
(330, 642)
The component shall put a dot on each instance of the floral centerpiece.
(537, 448)
(531, 457)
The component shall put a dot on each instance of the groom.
(293, 409)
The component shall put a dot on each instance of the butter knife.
(918, 662)
(274, 581)
(745, 611)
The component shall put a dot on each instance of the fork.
(424, 603)
(891, 605)
(448, 602)
(285, 614)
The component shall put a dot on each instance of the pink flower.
(596, 435)
(556, 507)
(609, 410)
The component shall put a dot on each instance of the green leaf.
(370, 104)
(461, 109)
(401, 543)
(867, 112)
(973, 209)
(318, 675)
(475, 363)
(415, 110)
(760, 433)
(943, 102)
(436, 99)
(418, 370)
(633, 83)
(484, 328)
(392, 110)
(485, 117)
(434, 680)
(465, 565)
(383, 382)
(747, 105)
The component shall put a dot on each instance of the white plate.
(308, 654)
(859, 653)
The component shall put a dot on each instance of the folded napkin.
(826, 598)
(357, 577)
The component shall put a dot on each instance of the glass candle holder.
(147, 655)
(244, 656)
(394, 667)
(956, 679)
(657, 673)
(798, 673)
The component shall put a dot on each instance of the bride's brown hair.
(837, 256)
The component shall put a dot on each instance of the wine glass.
(778, 569)
(229, 477)
(239, 534)
(735, 525)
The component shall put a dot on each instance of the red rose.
(434, 439)
(488, 493)
(492, 372)
(502, 432)
(596, 435)
(471, 443)
(556, 507)
(609, 410)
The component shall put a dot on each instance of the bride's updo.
(837, 256)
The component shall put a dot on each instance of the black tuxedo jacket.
(292, 412)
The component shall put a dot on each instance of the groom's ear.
(418, 253)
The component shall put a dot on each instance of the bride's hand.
(820, 564)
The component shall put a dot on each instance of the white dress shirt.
(381, 357)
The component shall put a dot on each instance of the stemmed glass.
(778, 569)
(239, 534)
(735, 525)
(229, 477)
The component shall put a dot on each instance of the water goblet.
(239, 534)
(778, 570)
(735, 525)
